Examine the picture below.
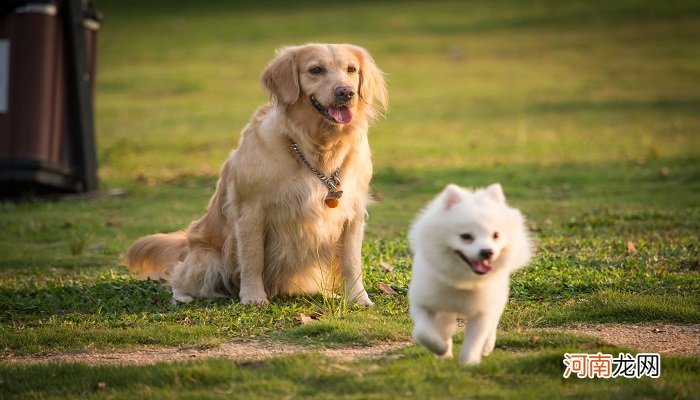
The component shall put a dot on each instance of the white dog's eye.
(316, 70)
(351, 69)
(495, 235)
(467, 237)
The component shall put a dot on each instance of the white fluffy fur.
(445, 286)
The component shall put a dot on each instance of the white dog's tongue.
(340, 115)
(481, 267)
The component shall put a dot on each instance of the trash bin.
(46, 97)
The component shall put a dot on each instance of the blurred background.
(578, 108)
(472, 83)
(513, 91)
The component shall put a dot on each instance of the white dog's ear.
(372, 89)
(281, 77)
(495, 193)
(451, 195)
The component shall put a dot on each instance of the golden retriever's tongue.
(340, 115)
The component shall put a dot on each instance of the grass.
(586, 112)
(535, 374)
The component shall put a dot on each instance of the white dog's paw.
(433, 342)
(448, 353)
(178, 296)
(469, 358)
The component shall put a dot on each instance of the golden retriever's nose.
(344, 93)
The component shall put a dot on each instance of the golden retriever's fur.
(267, 231)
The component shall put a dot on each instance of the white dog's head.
(472, 233)
(480, 231)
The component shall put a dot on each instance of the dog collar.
(331, 182)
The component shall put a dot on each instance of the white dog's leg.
(494, 316)
(446, 324)
(426, 332)
(475, 334)
(490, 340)
(251, 257)
(352, 262)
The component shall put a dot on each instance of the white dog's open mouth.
(479, 267)
(340, 114)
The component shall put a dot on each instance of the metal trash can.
(47, 78)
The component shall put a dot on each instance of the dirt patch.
(244, 351)
(648, 338)
(652, 338)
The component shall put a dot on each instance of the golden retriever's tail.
(154, 256)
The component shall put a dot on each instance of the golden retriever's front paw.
(362, 299)
(253, 296)
(254, 300)
(180, 297)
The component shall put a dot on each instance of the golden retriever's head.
(336, 83)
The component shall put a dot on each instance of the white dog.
(465, 245)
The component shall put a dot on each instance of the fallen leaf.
(388, 267)
(631, 248)
(315, 315)
(386, 289)
(303, 318)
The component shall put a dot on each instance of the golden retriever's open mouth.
(339, 114)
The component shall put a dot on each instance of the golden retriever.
(289, 209)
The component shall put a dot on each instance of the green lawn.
(587, 112)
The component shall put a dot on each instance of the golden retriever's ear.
(372, 86)
(281, 77)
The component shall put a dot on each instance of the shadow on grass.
(111, 298)
(608, 306)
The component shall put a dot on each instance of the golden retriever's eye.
(351, 69)
(495, 235)
(316, 70)
(467, 237)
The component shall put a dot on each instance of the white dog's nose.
(486, 254)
